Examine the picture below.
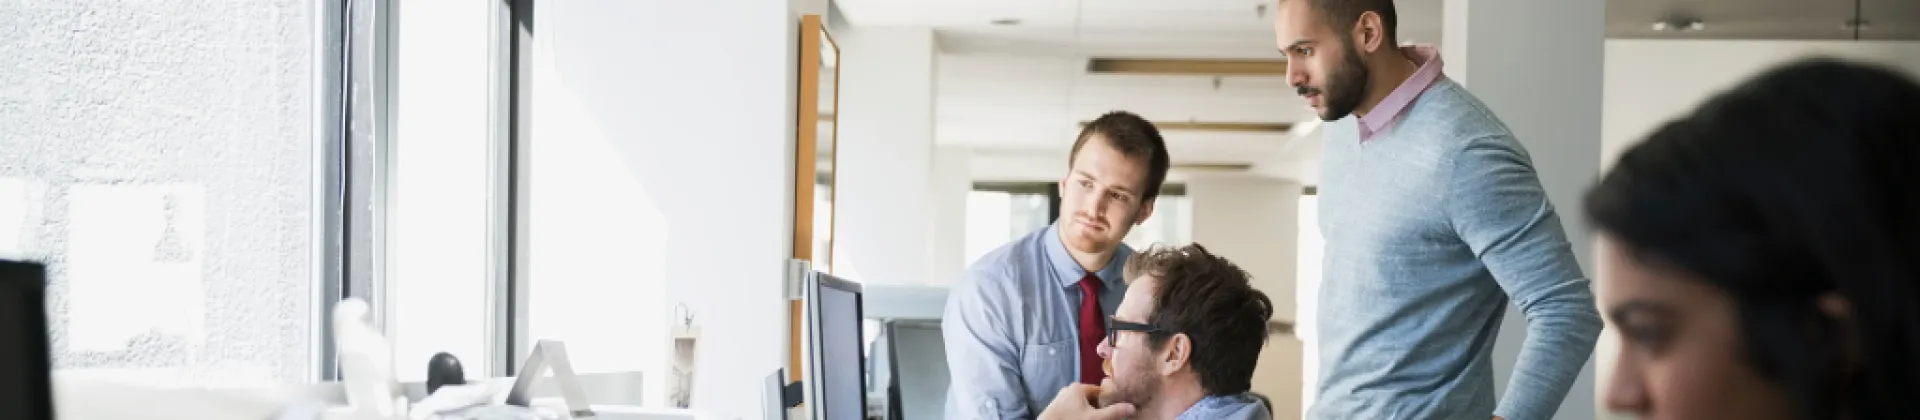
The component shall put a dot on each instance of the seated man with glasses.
(1182, 344)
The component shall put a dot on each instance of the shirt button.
(1051, 351)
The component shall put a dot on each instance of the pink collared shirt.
(1396, 102)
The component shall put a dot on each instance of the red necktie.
(1093, 328)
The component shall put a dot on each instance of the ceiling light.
(1006, 22)
(1679, 25)
(1241, 127)
(1193, 67)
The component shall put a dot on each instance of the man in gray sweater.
(1434, 219)
(1182, 345)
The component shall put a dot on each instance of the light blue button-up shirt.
(1012, 327)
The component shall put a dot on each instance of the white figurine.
(366, 362)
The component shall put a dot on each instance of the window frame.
(356, 54)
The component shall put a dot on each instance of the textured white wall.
(106, 107)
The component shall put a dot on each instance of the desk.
(81, 397)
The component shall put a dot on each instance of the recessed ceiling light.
(1006, 22)
(1679, 25)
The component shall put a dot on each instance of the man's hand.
(1075, 402)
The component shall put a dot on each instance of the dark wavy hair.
(1800, 182)
(1213, 302)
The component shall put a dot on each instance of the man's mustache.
(1306, 90)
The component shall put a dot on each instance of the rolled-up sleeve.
(982, 357)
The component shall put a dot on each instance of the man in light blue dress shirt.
(1018, 326)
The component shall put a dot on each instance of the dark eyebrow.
(1620, 312)
(1113, 187)
(1296, 44)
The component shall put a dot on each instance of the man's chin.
(1109, 394)
(1085, 243)
(1107, 397)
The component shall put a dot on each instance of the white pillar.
(952, 179)
(884, 156)
(1253, 222)
(1539, 66)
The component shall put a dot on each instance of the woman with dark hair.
(1760, 257)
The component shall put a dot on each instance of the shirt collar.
(1217, 406)
(1069, 272)
(1396, 102)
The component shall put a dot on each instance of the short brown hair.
(1135, 138)
(1342, 14)
(1213, 302)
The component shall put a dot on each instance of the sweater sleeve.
(1498, 207)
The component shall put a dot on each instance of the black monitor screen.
(842, 375)
(25, 382)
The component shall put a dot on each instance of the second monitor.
(835, 373)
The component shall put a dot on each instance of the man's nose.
(1296, 77)
(1105, 351)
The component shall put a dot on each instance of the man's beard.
(1079, 239)
(1137, 389)
(1346, 86)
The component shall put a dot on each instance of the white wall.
(950, 184)
(884, 156)
(1649, 82)
(1253, 222)
(661, 173)
(1652, 81)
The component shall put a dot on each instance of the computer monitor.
(26, 382)
(917, 360)
(835, 374)
(773, 393)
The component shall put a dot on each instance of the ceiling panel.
(1891, 19)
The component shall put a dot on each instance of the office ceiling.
(1013, 80)
(1765, 19)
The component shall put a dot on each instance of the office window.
(1306, 295)
(1170, 224)
(161, 159)
(998, 213)
(995, 217)
(438, 268)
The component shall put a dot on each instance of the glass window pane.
(989, 222)
(160, 159)
(1306, 295)
(1171, 224)
(438, 227)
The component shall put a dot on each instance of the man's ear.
(1837, 308)
(1146, 210)
(1369, 33)
(1179, 354)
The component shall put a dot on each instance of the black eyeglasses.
(1115, 325)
